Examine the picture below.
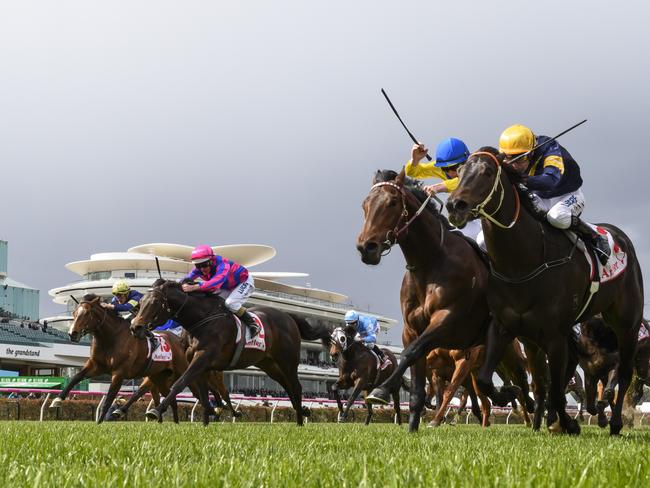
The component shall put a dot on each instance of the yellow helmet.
(516, 139)
(121, 288)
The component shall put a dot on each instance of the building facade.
(16, 300)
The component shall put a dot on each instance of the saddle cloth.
(617, 259)
(643, 333)
(162, 352)
(259, 341)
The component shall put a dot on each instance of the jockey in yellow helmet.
(553, 182)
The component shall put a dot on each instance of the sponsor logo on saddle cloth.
(163, 350)
(617, 259)
(259, 341)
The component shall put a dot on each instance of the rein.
(397, 230)
(480, 208)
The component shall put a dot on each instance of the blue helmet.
(351, 316)
(451, 151)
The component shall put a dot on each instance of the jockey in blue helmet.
(367, 329)
(451, 153)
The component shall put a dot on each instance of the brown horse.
(641, 366)
(358, 369)
(214, 346)
(540, 285)
(115, 351)
(443, 294)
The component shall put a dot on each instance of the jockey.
(552, 179)
(124, 298)
(223, 277)
(450, 155)
(367, 329)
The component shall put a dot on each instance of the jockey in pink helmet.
(216, 274)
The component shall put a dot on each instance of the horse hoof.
(602, 420)
(56, 403)
(236, 414)
(117, 413)
(342, 420)
(555, 428)
(152, 414)
(433, 424)
(530, 405)
(377, 396)
(573, 427)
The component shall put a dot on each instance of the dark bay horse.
(443, 294)
(358, 369)
(539, 287)
(115, 351)
(213, 345)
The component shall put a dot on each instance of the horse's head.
(477, 187)
(340, 341)
(87, 317)
(156, 306)
(384, 209)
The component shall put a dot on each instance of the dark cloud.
(262, 122)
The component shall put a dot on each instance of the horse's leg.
(590, 393)
(358, 386)
(539, 372)
(461, 371)
(627, 341)
(199, 364)
(416, 400)
(558, 352)
(601, 405)
(398, 411)
(485, 403)
(86, 371)
(144, 387)
(204, 399)
(335, 393)
(369, 415)
(174, 405)
(216, 382)
(116, 384)
(288, 379)
(471, 391)
(496, 342)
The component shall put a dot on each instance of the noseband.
(84, 331)
(393, 234)
(479, 210)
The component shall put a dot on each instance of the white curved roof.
(244, 254)
(277, 275)
(110, 261)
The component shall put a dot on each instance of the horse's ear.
(399, 179)
(376, 178)
(95, 300)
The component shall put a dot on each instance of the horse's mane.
(415, 187)
(162, 283)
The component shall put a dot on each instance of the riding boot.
(248, 321)
(597, 241)
(382, 357)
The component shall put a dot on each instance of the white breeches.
(236, 297)
(561, 209)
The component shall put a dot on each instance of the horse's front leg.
(536, 358)
(335, 393)
(116, 384)
(89, 370)
(496, 342)
(461, 370)
(144, 387)
(558, 356)
(627, 342)
(358, 386)
(200, 363)
(418, 393)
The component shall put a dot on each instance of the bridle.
(84, 331)
(340, 338)
(479, 210)
(393, 234)
(165, 306)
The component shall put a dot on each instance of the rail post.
(508, 416)
(196, 403)
(275, 405)
(234, 418)
(146, 419)
(99, 408)
(47, 397)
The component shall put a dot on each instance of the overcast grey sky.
(127, 122)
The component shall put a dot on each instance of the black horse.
(213, 345)
(540, 283)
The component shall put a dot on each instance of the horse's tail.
(312, 332)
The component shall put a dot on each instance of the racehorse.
(539, 286)
(213, 345)
(641, 366)
(358, 369)
(115, 351)
(443, 290)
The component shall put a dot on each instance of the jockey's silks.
(553, 172)
(429, 170)
(367, 328)
(223, 275)
(132, 302)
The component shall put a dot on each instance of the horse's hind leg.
(539, 372)
(496, 343)
(291, 384)
(396, 404)
(369, 415)
(216, 383)
(627, 339)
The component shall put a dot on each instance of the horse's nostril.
(371, 247)
(460, 205)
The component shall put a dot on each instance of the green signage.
(36, 382)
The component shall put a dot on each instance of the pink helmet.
(201, 254)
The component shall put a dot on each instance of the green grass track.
(145, 454)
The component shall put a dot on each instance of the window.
(129, 275)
